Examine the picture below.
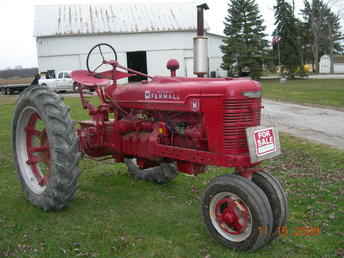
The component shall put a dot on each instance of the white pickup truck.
(61, 82)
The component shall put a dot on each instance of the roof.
(216, 35)
(78, 19)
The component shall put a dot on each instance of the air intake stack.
(201, 44)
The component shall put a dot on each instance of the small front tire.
(277, 199)
(237, 213)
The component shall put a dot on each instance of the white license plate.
(263, 143)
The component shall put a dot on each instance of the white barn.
(140, 32)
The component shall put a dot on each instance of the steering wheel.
(99, 47)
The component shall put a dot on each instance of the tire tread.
(64, 144)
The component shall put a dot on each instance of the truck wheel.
(46, 148)
(277, 199)
(161, 174)
(237, 213)
(76, 87)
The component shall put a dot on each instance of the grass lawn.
(314, 92)
(114, 215)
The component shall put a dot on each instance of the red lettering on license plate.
(264, 140)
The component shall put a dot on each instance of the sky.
(18, 46)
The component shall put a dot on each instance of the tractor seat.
(91, 80)
(88, 79)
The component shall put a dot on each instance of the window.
(66, 75)
(60, 75)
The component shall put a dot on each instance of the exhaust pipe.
(201, 44)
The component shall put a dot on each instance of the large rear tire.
(277, 199)
(46, 148)
(161, 174)
(237, 213)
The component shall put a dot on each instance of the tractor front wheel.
(277, 199)
(161, 174)
(237, 213)
(46, 148)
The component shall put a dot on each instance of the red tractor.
(158, 126)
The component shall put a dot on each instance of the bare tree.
(325, 26)
(333, 19)
(338, 9)
(316, 18)
(330, 24)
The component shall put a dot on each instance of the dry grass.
(26, 80)
(4, 100)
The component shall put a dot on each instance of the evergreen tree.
(244, 45)
(288, 32)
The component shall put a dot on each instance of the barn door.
(138, 61)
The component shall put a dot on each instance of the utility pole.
(331, 46)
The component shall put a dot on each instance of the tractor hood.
(167, 90)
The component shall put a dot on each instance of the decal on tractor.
(195, 106)
(161, 95)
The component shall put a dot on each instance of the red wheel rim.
(37, 146)
(230, 216)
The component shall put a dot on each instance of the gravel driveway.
(316, 124)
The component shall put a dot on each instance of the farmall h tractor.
(158, 127)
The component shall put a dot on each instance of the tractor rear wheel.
(46, 148)
(237, 213)
(161, 174)
(277, 199)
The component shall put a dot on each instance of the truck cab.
(57, 81)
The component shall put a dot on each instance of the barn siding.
(56, 46)
(69, 53)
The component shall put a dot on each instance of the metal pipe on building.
(201, 62)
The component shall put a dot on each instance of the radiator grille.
(238, 115)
